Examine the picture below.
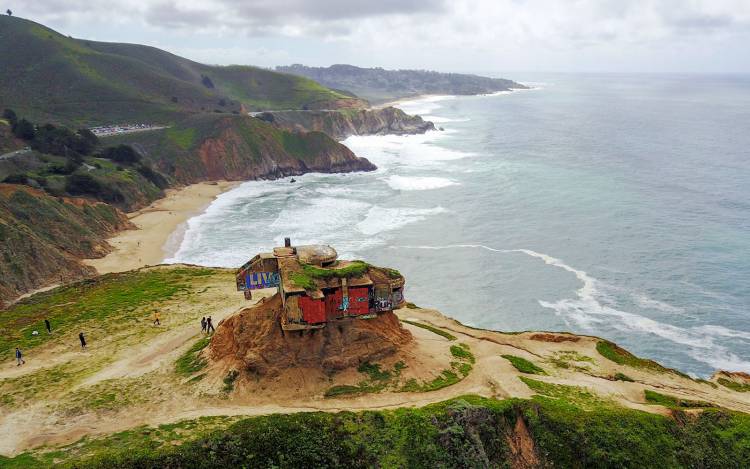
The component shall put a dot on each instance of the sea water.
(612, 205)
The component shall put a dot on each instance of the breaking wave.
(415, 183)
(585, 311)
(380, 219)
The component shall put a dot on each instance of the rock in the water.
(252, 340)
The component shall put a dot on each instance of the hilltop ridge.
(381, 85)
(47, 76)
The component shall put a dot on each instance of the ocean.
(610, 205)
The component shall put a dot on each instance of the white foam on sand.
(705, 342)
(418, 183)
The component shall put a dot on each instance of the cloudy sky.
(489, 36)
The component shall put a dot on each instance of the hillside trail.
(492, 376)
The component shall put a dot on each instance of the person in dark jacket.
(83, 340)
(203, 324)
(19, 357)
(209, 325)
(48, 326)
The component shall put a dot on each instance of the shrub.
(523, 365)
(15, 179)
(11, 117)
(432, 329)
(152, 176)
(462, 351)
(24, 130)
(124, 154)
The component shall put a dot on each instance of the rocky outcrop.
(252, 340)
(341, 124)
(43, 238)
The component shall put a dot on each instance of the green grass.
(575, 395)
(191, 362)
(105, 304)
(432, 329)
(411, 305)
(734, 385)
(183, 138)
(623, 377)
(377, 380)
(523, 365)
(461, 351)
(229, 380)
(672, 402)
(621, 356)
(306, 278)
(467, 431)
(302, 280)
(354, 269)
(459, 370)
(118, 83)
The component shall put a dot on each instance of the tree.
(11, 117)
(24, 130)
(122, 154)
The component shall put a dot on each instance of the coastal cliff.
(46, 232)
(43, 238)
(240, 148)
(340, 124)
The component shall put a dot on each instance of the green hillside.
(46, 76)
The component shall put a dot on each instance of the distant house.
(316, 288)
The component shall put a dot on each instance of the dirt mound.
(252, 340)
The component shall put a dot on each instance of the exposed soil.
(252, 341)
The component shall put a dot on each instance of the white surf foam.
(385, 151)
(587, 312)
(380, 219)
(417, 183)
(423, 105)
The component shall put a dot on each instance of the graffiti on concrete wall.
(258, 280)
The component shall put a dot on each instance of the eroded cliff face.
(235, 147)
(44, 238)
(253, 341)
(340, 124)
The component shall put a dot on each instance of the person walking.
(203, 324)
(157, 315)
(19, 357)
(209, 326)
(83, 340)
(48, 326)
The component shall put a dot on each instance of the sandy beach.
(155, 224)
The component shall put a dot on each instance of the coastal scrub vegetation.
(673, 402)
(432, 329)
(734, 385)
(468, 431)
(191, 362)
(619, 355)
(523, 365)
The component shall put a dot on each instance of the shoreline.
(159, 228)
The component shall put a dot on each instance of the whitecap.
(417, 183)
(381, 219)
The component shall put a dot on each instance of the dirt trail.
(492, 376)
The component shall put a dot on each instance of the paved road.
(11, 154)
